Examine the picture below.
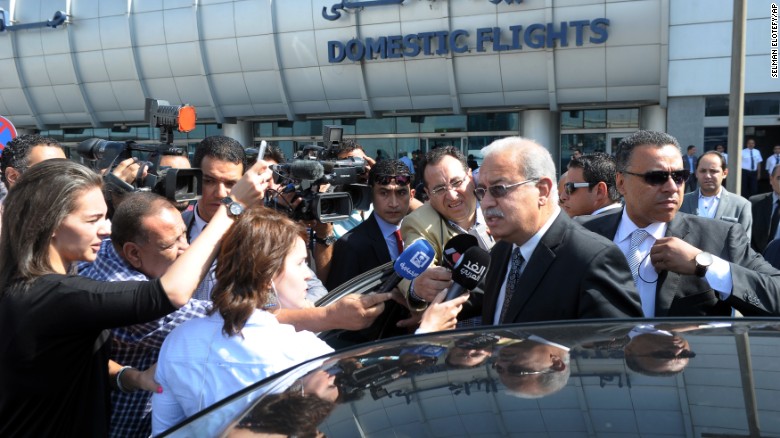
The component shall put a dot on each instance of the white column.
(652, 118)
(542, 126)
(241, 131)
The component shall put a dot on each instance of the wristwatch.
(234, 209)
(328, 241)
(703, 261)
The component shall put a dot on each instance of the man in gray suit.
(683, 265)
(712, 200)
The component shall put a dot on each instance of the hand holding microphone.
(410, 264)
(469, 270)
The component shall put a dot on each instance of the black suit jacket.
(571, 274)
(761, 208)
(360, 250)
(756, 283)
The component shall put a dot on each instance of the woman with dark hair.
(53, 351)
(262, 267)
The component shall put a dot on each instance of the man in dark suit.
(712, 200)
(684, 265)
(763, 209)
(568, 273)
(689, 164)
(378, 239)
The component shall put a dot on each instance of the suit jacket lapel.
(499, 263)
(724, 204)
(536, 268)
(374, 234)
(668, 282)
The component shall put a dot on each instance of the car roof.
(670, 377)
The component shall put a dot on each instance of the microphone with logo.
(468, 271)
(410, 264)
(455, 248)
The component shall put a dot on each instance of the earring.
(273, 298)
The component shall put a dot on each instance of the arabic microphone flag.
(7, 132)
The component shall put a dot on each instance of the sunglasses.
(571, 187)
(669, 354)
(499, 190)
(517, 370)
(401, 180)
(660, 177)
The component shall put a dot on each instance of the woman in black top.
(53, 349)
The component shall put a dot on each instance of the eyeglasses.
(659, 177)
(517, 370)
(571, 187)
(669, 354)
(384, 180)
(470, 354)
(499, 190)
(439, 190)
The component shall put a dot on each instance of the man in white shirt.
(683, 265)
(751, 169)
(773, 160)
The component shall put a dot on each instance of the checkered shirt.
(137, 345)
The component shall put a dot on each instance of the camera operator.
(221, 160)
(274, 195)
(179, 160)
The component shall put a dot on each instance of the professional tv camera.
(313, 169)
(178, 185)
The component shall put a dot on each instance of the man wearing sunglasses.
(377, 240)
(590, 187)
(533, 368)
(545, 266)
(683, 265)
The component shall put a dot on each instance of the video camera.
(317, 166)
(178, 185)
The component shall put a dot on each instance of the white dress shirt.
(771, 162)
(708, 205)
(718, 275)
(387, 229)
(746, 158)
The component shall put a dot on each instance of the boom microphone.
(300, 169)
(410, 264)
(455, 248)
(468, 272)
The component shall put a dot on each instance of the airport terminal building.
(399, 75)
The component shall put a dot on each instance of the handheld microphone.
(410, 264)
(301, 169)
(455, 248)
(468, 272)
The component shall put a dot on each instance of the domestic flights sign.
(7, 132)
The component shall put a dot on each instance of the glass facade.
(392, 136)
(589, 130)
(758, 104)
(594, 130)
